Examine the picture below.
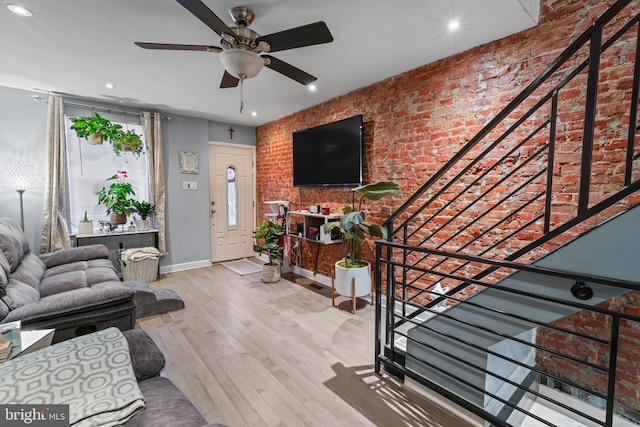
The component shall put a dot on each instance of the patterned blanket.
(91, 373)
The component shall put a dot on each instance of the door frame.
(253, 174)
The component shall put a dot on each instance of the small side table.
(31, 341)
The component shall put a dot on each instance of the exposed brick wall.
(416, 121)
(592, 380)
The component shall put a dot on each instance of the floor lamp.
(19, 177)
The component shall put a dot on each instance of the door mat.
(243, 266)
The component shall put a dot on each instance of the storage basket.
(139, 264)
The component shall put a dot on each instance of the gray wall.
(23, 138)
(23, 132)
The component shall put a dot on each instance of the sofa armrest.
(69, 255)
(146, 357)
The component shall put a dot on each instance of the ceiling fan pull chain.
(241, 94)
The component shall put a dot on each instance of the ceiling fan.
(243, 50)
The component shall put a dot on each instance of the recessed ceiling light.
(453, 24)
(312, 88)
(254, 113)
(109, 85)
(19, 10)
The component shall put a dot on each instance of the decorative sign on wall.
(189, 162)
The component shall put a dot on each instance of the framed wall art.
(189, 162)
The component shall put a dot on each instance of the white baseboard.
(319, 278)
(184, 266)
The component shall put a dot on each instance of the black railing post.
(404, 269)
(391, 303)
(589, 120)
(378, 303)
(633, 116)
(550, 160)
(613, 363)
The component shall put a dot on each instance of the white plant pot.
(142, 224)
(85, 227)
(270, 273)
(352, 283)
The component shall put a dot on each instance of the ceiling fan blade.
(170, 46)
(306, 35)
(289, 70)
(205, 14)
(228, 81)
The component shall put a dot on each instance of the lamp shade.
(18, 176)
(241, 63)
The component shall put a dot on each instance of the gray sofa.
(75, 290)
(104, 378)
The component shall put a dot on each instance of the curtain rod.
(108, 110)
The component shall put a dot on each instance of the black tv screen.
(329, 154)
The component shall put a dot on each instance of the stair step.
(417, 352)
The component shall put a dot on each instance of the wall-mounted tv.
(329, 154)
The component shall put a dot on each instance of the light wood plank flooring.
(247, 353)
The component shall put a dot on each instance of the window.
(232, 199)
(88, 168)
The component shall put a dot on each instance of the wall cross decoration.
(231, 131)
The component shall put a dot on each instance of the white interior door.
(231, 195)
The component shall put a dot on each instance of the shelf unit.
(312, 220)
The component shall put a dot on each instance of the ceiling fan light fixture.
(241, 63)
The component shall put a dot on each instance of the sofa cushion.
(146, 357)
(13, 242)
(67, 277)
(165, 406)
(30, 271)
(73, 255)
(20, 294)
(57, 283)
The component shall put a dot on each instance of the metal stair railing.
(617, 325)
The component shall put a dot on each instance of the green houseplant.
(95, 128)
(145, 210)
(352, 275)
(129, 142)
(267, 240)
(117, 198)
(353, 225)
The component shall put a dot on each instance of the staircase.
(541, 272)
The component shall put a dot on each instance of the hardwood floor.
(248, 353)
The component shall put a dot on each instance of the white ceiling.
(75, 47)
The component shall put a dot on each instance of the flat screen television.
(329, 154)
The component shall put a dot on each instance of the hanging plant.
(128, 142)
(95, 128)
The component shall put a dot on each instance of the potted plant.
(145, 210)
(116, 198)
(129, 142)
(95, 128)
(85, 226)
(267, 240)
(352, 275)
